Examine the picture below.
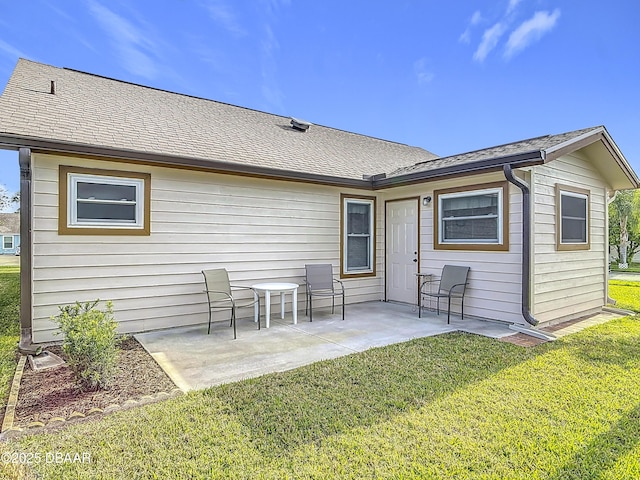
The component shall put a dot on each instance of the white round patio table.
(277, 287)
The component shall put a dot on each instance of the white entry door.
(402, 250)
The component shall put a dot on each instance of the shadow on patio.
(195, 360)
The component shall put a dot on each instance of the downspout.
(610, 300)
(526, 243)
(25, 346)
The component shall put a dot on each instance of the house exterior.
(9, 233)
(128, 192)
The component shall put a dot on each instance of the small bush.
(90, 343)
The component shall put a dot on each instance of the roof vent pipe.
(526, 243)
(53, 87)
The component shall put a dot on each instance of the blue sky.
(450, 77)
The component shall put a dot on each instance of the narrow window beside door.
(358, 236)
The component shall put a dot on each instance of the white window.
(471, 217)
(573, 218)
(96, 200)
(7, 242)
(103, 202)
(358, 235)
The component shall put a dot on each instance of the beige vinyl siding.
(567, 284)
(494, 290)
(259, 230)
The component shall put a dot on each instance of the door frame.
(418, 239)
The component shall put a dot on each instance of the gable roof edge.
(620, 159)
(586, 139)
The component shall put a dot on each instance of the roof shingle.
(538, 144)
(91, 110)
(9, 223)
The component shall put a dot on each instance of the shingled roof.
(9, 223)
(95, 111)
(508, 150)
(59, 109)
(595, 142)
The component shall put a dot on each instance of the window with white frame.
(7, 242)
(97, 201)
(471, 218)
(572, 218)
(358, 235)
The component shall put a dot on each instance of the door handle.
(415, 260)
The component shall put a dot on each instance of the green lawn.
(451, 406)
(9, 325)
(633, 267)
(626, 294)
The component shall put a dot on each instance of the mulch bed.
(53, 392)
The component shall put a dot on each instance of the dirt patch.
(53, 393)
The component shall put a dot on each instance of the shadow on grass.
(608, 345)
(601, 455)
(311, 403)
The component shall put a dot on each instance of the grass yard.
(627, 294)
(633, 267)
(452, 406)
(9, 325)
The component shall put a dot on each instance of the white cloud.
(11, 51)
(489, 41)
(476, 18)
(531, 31)
(223, 14)
(272, 6)
(272, 94)
(423, 73)
(512, 5)
(465, 37)
(130, 41)
(269, 47)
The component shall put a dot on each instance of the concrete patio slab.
(195, 360)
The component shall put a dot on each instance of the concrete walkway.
(9, 260)
(195, 360)
(626, 276)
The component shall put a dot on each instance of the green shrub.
(90, 343)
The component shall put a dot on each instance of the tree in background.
(624, 225)
(7, 199)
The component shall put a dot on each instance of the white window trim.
(12, 242)
(72, 202)
(372, 246)
(472, 193)
(583, 196)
